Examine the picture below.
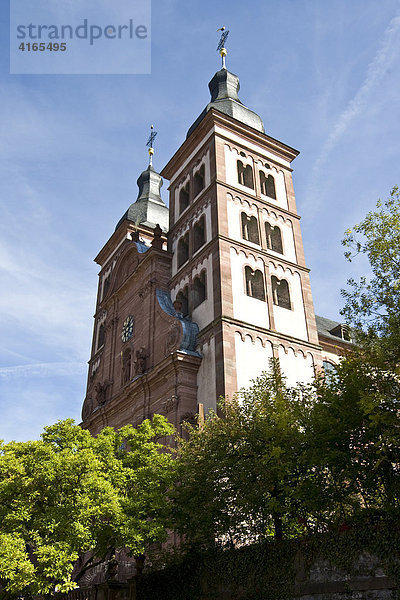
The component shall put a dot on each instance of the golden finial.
(221, 45)
(150, 144)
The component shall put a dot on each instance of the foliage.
(242, 477)
(270, 570)
(373, 303)
(287, 462)
(70, 493)
(354, 440)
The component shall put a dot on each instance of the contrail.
(43, 369)
(375, 71)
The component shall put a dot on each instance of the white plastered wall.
(235, 207)
(207, 212)
(204, 313)
(280, 187)
(175, 241)
(206, 162)
(179, 286)
(285, 225)
(176, 202)
(291, 322)
(296, 367)
(231, 158)
(247, 309)
(252, 358)
(206, 388)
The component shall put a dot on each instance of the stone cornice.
(214, 117)
(278, 337)
(164, 369)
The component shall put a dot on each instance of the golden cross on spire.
(150, 144)
(221, 44)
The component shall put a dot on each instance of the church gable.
(126, 266)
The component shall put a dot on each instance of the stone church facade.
(193, 300)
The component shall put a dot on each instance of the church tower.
(238, 262)
(143, 355)
(194, 300)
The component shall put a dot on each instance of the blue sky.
(324, 76)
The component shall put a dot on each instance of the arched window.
(183, 297)
(199, 234)
(184, 196)
(267, 185)
(183, 250)
(126, 366)
(254, 283)
(274, 238)
(199, 289)
(245, 175)
(329, 370)
(250, 228)
(280, 292)
(106, 285)
(328, 366)
(101, 338)
(198, 181)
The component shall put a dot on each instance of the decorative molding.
(147, 287)
(170, 404)
(141, 361)
(173, 337)
(101, 390)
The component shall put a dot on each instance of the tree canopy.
(372, 304)
(283, 462)
(241, 475)
(71, 493)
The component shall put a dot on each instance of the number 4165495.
(42, 46)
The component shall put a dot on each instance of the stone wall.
(273, 578)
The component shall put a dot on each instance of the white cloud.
(43, 370)
(376, 71)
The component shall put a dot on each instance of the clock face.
(127, 329)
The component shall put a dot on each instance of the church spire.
(150, 144)
(221, 45)
(224, 88)
(149, 208)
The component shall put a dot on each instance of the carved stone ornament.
(140, 361)
(157, 241)
(173, 337)
(146, 288)
(101, 390)
(170, 404)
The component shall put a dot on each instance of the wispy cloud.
(43, 370)
(377, 68)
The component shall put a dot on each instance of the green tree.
(372, 304)
(71, 493)
(354, 440)
(282, 462)
(242, 475)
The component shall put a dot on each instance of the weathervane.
(150, 144)
(221, 45)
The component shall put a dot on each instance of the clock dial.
(127, 329)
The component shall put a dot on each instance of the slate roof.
(149, 209)
(325, 326)
(224, 87)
